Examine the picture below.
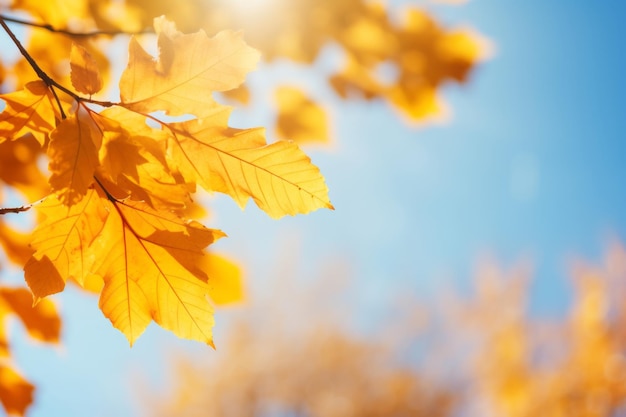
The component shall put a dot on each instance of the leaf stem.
(52, 29)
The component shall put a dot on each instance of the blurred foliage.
(402, 58)
(480, 354)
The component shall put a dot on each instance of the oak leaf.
(279, 177)
(189, 68)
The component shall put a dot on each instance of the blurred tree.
(481, 355)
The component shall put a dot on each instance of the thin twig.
(51, 83)
(7, 210)
(20, 209)
(66, 32)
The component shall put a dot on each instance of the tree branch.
(66, 32)
(51, 83)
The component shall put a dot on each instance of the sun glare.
(250, 7)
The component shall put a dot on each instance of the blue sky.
(531, 164)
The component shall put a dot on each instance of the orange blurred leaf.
(85, 75)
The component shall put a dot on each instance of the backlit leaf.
(85, 75)
(73, 154)
(189, 68)
(149, 261)
(27, 111)
(279, 177)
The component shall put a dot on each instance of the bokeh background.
(523, 177)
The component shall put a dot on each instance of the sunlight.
(248, 8)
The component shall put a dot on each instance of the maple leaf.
(279, 177)
(149, 261)
(27, 111)
(73, 155)
(152, 272)
(85, 75)
(190, 67)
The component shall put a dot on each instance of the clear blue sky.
(531, 164)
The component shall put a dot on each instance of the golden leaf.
(63, 243)
(27, 111)
(190, 67)
(225, 280)
(279, 177)
(73, 155)
(133, 157)
(299, 118)
(149, 261)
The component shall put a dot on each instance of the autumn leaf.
(54, 12)
(149, 261)
(19, 169)
(189, 68)
(73, 155)
(84, 75)
(151, 272)
(225, 280)
(279, 177)
(133, 156)
(63, 243)
(41, 321)
(16, 394)
(299, 118)
(27, 111)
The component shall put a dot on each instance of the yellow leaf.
(133, 157)
(150, 265)
(63, 243)
(73, 155)
(85, 76)
(190, 67)
(54, 12)
(27, 111)
(225, 280)
(16, 394)
(279, 177)
(299, 118)
(149, 261)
